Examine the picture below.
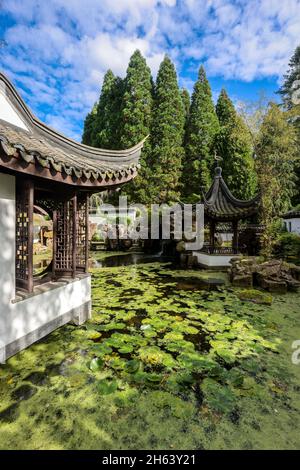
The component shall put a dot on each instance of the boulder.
(272, 285)
(255, 296)
(242, 281)
(273, 275)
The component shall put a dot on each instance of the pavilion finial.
(218, 169)
(217, 157)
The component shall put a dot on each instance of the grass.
(163, 364)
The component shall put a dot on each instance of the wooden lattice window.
(64, 236)
(82, 233)
(24, 235)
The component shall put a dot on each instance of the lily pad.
(106, 387)
(96, 364)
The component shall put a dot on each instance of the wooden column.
(74, 235)
(54, 241)
(235, 237)
(87, 233)
(30, 189)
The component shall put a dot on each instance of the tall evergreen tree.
(201, 131)
(290, 92)
(88, 127)
(136, 121)
(234, 145)
(186, 100)
(276, 153)
(106, 132)
(167, 134)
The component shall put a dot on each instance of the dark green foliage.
(202, 127)
(290, 92)
(235, 147)
(186, 100)
(167, 135)
(106, 132)
(288, 246)
(88, 127)
(287, 91)
(136, 121)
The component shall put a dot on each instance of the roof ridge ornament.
(218, 168)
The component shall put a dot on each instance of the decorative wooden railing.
(219, 250)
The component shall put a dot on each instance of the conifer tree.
(106, 132)
(202, 128)
(290, 92)
(136, 121)
(234, 145)
(186, 100)
(167, 134)
(88, 127)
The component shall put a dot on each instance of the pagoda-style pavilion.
(223, 212)
(40, 167)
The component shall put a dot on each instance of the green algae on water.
(159, 367)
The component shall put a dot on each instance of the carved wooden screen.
(64, 229)
(82, 233)
(70, 233)
(24, 235)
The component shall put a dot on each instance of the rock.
(242, 281)
(295, 270)
(24, 392)
(37, 378)
(255, 296)
(293, 284)
(191, 261)
(276, 286)
(9, 414)
(273, 275)
(180, 247)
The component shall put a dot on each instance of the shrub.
(97, 237)
(288, 245)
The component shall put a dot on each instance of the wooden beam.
(17, 165)
(87, 233)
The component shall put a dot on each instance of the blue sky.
(57, 51)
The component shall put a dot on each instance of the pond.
(170, 359)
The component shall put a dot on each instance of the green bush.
(288, 245)
(97, 237)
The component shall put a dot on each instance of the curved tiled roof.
(220, 204)
(43, 152)
(292, 214)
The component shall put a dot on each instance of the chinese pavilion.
(40, 167)
(222, 213)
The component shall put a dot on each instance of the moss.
(256, 296)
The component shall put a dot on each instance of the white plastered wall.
(213, 261)
(294, 223)
(8, 112)
(18, 319)
(7, 254)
